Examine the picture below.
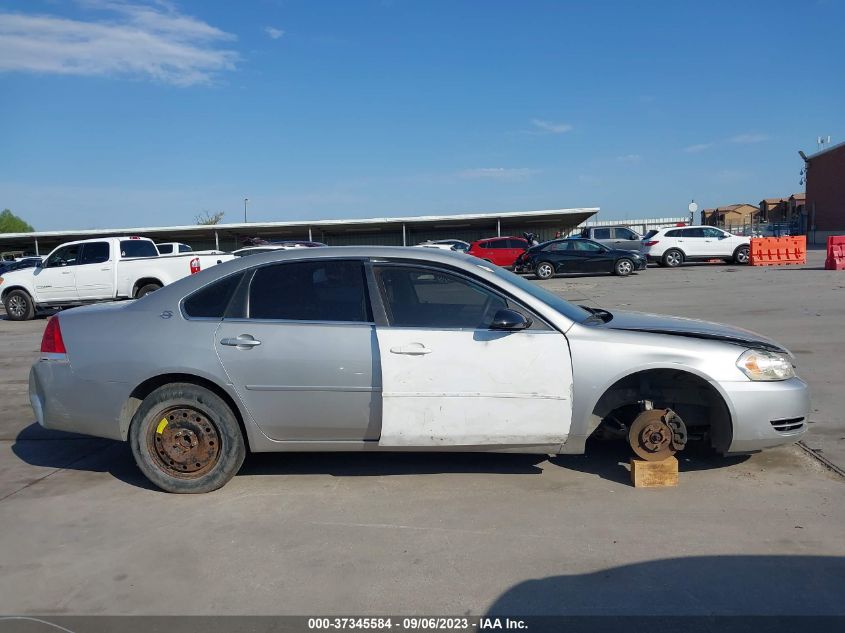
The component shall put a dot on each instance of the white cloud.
(699, 147)
(507, 174)
(631, 159)
(137, 40)
(749, 138)
(550, 127)
(273, 32)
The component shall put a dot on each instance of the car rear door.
(301, 352)
(95, 272)
(450, 380)
(55, 281)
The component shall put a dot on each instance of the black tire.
(623, 267)
(672, 258)
(544, 270)
(19, 306)
(146, 289)
(186, 439)
(742, 255)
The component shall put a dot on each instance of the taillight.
(651, 243)
(195, 265)
(51, 342)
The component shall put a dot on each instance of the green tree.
(208, 218)
(10, 223)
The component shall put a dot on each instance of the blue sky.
(130, 113)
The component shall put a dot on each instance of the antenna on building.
(822, 141)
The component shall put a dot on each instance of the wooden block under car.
(654, 474)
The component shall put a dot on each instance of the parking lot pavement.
(81, 532)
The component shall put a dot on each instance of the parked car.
(617, 237)
(386, 349)
(672, 247)
(501, 251)
(275, 246)
(577, 255)
(446, 245)
(89, 271)
(169, 248)
(26, 262)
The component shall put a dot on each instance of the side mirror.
(510, 320)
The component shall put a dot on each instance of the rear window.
(138, 248)
(211, 302)
(651, 233)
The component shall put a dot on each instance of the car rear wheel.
(19, 306)
(742, 255)
(624, 267)
(146, 289)
(545, 270)
(673, 258)
(186, 439)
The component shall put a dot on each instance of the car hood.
(695, 328)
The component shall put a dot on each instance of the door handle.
(244, 341)
(411, 349)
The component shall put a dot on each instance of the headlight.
(759, 364)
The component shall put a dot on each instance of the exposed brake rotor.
(656, 434)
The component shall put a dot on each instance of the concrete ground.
(81, 532)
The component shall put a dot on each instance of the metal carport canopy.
(559, 218)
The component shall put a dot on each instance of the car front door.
(448, 379)
(625, 240)
(95, 271)
(593, 257)
(497, 251)
(301, 353)
(56, 280)
(716, 242)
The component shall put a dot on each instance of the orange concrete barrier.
(778, 251)
(835, 253)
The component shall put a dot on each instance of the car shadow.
(47, 448)
(703, 586)
(610, 460)
(374, 464)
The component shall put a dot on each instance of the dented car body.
(380, 348)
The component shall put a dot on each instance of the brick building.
(825, 203)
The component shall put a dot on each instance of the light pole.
(246, 200)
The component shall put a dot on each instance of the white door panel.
(474, 387)
(55, 284)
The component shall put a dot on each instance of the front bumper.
(767, 414)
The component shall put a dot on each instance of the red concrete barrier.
(778, 251)
(835, 253)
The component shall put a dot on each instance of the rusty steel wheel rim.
(650, 436)
(184, 442)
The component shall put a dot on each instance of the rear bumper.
(64, 402)
(767, 414)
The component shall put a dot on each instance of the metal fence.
(763, 229)
(641, 225)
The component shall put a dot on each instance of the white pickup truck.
(102, 269)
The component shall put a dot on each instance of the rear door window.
(165, 249)
(328, 290)
(138, 248)
(601, 234)
(95, 253)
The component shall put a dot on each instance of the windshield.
(569, 310)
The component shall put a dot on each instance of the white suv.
(672, 247)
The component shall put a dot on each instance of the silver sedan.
(386, 349)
